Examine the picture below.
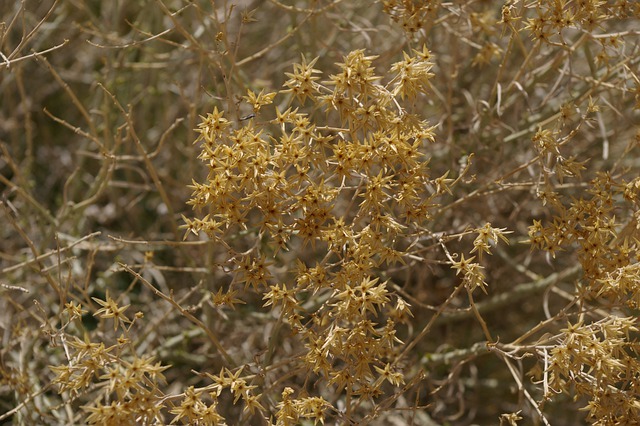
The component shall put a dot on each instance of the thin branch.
(8, 62)
(183, 312)
(43, 256)
(519, 292)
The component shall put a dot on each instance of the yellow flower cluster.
(349, 186)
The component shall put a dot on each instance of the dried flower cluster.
(350, 183)
(598, 361)
(128, 383)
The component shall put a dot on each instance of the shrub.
(320, 212)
